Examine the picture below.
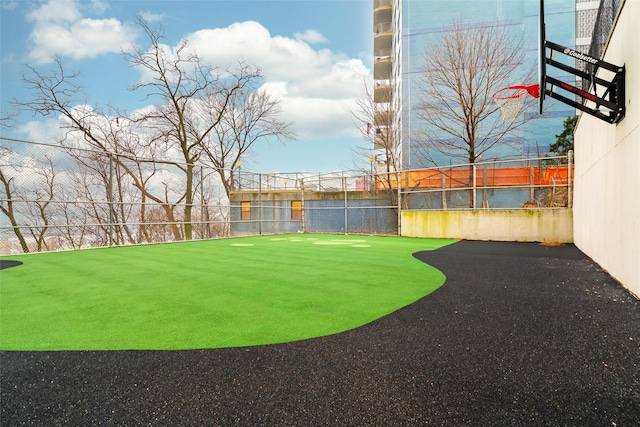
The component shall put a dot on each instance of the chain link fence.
(544, 182)
(605, 19)
(339, 202)
(607, 13)
(55, 198)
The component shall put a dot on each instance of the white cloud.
(344, 78)
(311, 37)
(317, 88)
(152, 17)
(41, 130)
(99, 6)
(59, 28)
(277, 90)
(55, 11)
(9, 4)
(319, 117)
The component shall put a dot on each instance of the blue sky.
(314, 54)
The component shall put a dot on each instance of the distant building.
(586, 15)
(403, 29)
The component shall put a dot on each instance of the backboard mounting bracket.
(608, 105)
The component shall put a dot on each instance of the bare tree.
(7, 205)
(202, 109)
(462, 72)
(375, 121)
(30, 204)
(111, 182)
(250, 115)
(8, 118)
(44, 195)
(85, 188)
(374, 118)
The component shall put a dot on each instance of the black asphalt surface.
(519, 335)
(8, 264)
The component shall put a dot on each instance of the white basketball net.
(510, 102)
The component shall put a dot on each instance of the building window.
(296, 210)
(245, 211)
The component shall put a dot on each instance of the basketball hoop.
(511, 98)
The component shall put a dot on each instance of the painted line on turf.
(341, 242)
(355, 243)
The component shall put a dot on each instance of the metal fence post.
(399, 181)
(346, 221)
(110, 199)
(473, 187)
(302, 208)
(532, 189)
(202, 224)
(261, 215)
(444, 191)
(485, 201)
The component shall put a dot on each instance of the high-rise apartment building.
(586, 14)
(405, 29)
(387, 51)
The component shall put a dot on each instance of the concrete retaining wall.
(524, 225)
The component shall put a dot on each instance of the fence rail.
(522, 184)
(529, 179)
(55, 198)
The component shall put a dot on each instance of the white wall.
(607, 178)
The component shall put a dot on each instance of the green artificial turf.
(209, 294)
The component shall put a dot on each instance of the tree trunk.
(172, 220)
(8, 211)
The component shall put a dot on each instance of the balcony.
(383, 29)
(383, 38)
(382, 53)
(382, 91)
(382, 118)
(382, 4)
(382, 68)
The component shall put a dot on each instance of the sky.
(315, 56)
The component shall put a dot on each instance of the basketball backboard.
(608, 106)
(542, 66)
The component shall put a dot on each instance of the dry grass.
(552, 243)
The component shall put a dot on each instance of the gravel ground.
(519, 335)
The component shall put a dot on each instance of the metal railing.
(545, 182)
(320, 182)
